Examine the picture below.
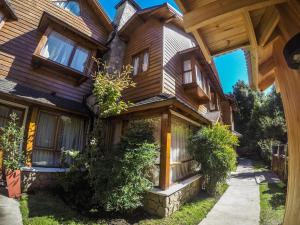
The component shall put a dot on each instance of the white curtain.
(136, 62)
(58, 48)
(181, 164)
(198, 76)
(188, 77)
(46, 131)
(72, 133)
(80, 59)
(145, 61)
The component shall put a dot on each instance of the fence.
(280, 161)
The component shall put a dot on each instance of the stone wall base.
(33, 181)
(164, 203)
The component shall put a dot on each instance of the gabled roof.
(5, 4)
(95, 5)
(133, 2)
(162, 12)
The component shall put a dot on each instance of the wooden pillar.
(289, 84)
(31, 135)
(165, 152)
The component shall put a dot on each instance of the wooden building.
(46, 50)
(265, 29)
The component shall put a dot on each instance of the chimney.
(125, 10)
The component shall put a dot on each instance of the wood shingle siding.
(19, 39)
(175, 41)
(148, 36)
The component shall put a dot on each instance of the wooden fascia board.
(267, 25)
(104, 18)
(220, 9)
(48, 18)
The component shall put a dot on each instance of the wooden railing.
(280, 161)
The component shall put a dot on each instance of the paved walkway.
(9, 210)
(239, 205)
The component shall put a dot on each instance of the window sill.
(44, 170)
(175, 187)
(78, 77)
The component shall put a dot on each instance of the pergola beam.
(219, 10)
(267, 25)
(203, 46)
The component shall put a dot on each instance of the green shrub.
(213, 148)
(126, 179)
(265, 146)
(10, 141)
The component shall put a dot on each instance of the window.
(1, 17)
(56, 133)
(140, 62)
(199, 78)
(69, 5)
(6, 111)
(65, 51)
(187, 72)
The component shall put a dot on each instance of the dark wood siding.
(148, 36)
(176, 40)
(19, 39)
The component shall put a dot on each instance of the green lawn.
(272, 199)
(47, 209)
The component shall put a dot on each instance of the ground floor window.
(182, 164)
(56, 133)
(6, 111)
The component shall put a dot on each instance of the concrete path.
(239, 205)
(9, 210)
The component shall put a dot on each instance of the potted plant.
(10, 142)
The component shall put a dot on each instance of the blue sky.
(231, 67)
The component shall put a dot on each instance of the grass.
(47, 209)
(44, 208)
(191, 213)
(272, 198)
(272, 201)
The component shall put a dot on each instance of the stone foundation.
(40, 179)
(164, 203)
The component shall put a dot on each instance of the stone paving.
(239, 205)
(9, 210)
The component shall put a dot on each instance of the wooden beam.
(266, 81)
(165, 152)
(253, 50)
(267, 25)
(31, 135)
(181, 5)
(204, 48)
(268, 67)
(222, 9)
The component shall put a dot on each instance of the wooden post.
(31, 135)
(165, 152)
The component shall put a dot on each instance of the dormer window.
(65, 52)
(69, 5)
(140, 62)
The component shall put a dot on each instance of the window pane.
(198, 76)
(188, 77)
(187, 65)
(58, 48)
(145, 62)
(4, 115)
(80, 59)
(46, 131)
(136, 63)
(71, 6)
(1, 16)
(72, 133)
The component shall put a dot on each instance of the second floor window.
(65, 51)
(1, 17)
(187, 71)
(140, 62)
(69, 5)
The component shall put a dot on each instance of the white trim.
(44, 170)
(176, 187)
(25, 114)
(185, 118)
